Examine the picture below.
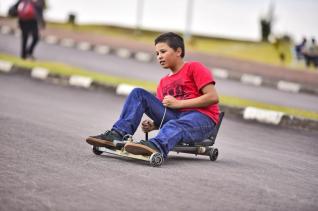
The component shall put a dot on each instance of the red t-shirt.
(187, 84)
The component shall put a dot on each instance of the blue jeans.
(190, 126)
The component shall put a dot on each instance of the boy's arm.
(208, 97)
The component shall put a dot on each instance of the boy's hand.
(171, 102)
(148, 126)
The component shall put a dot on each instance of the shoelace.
(109, 132)
(106, 132)
(128, 137)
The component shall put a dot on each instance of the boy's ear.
(179, 51)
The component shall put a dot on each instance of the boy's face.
(166, 56)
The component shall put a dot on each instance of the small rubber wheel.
(156, 159)
(213, 154)
(96, 151)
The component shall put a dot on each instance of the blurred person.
(311, 53)
(30, 20)
(299, 49)
(185, 108)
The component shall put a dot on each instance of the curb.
(251, 114)
(254, 80)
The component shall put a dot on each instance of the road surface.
(45, 163)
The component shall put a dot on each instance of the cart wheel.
(96, 151)
(213, 154)
(156, 159)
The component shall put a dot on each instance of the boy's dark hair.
(173, 40)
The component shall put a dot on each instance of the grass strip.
(67, 70)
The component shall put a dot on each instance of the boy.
(185, 109)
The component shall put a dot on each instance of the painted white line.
(102, 49)
(66, 42)
(80, 81)
(84, 46)
(39, 73)
(51, 39)
(124, 89)
(220, 73)
(288, 86)
(262, 115)
(5, 66)
(251, 79)
(123, 53)
(143, 57)
(5, 30)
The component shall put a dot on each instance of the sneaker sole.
(139, 149)
(99, 142)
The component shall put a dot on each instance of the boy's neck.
(177, 67)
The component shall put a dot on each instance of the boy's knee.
(138, 91)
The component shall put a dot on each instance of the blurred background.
(266, 31)
(235, 19)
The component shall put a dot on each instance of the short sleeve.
(202, 75)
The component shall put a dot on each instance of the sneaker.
(146, 148)
(105, 139)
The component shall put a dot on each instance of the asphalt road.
(45, 163)
(113, 65)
